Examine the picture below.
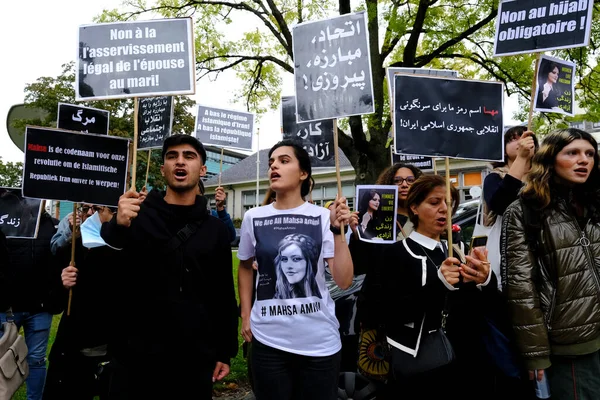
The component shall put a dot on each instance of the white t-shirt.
(293, 310)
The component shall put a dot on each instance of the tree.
(47, 92)
(10, 174)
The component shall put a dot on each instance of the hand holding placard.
(129, 206)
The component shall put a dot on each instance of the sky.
(36, 44)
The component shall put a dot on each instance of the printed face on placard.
(288, 249)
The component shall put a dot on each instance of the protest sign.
(433, 117)
(527, 26)
(377, 206)
(155, 121)
(390, 71)
(423, 163)
(316, 137)
(555, 86)
(137, 58)
(19, 217)
(82, 119)
(83, 168)
(224, 128)
(332, 68)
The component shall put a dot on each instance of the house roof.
(245, 170)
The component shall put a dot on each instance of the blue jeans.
(37, 331)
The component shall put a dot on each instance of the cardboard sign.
(19, 217)
(528, 26)
(377, 207)
(224, 128)
(390, 71)
(316, 137)
(155, 121)
(423, 163)
(555, 86)
(134, 59)
(332, 68)
(83, 168)
(433, 117)
(82, 119)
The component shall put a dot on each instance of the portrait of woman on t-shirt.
(296, 266)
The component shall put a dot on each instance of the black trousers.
(279, 375)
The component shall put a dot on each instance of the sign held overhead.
(224, 128)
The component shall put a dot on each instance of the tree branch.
(240, 59)
(410, 50)
(282, 25)
(388, 42)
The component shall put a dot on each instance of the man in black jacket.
(180, 314)
(29, 275)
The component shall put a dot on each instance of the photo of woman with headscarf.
(296, 267)
(555, 86)
(368, 214)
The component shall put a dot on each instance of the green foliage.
(237, 222)
(47, 92)
(11, 173)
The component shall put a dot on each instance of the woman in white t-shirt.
(292, 324)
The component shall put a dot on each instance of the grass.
(237, 376)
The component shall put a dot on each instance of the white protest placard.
(555, 86)
(134, 59)
(224, 128)
(332, 68)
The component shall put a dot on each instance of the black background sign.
(423, 163)
(129, 59)
(82, 119)
(435, 117)
(155, 121)
(527, 26)
(316, 136)
(61, 165)
(332, 68)
(19, 217)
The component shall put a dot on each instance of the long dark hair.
(303, 161)
(387, 176)
(308, 286)
(540, 180)
(363, 204)
(419, 191)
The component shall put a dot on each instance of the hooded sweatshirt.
(177, 303)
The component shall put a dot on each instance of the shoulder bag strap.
(182, 236)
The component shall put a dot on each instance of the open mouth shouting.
(180, 174)
(582, 172)
(274, 176)
(441, 221)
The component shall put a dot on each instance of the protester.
(31, 278)
(403, 175)
(179, 327)
(80, 350)
(221, 212)
(295, 355)
(420, 281)
(551, 241)
(64, 233)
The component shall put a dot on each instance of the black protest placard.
(377, 206)
(390, 71)
(433, 117)
(555, 86)
(155, 121)
(423, 163)
(332, 68)
(528, 26)
(62, 165)
(19, 217)
(316, 137)
(224, 128)
(82, 119)
(134, 59)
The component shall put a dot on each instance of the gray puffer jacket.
(554, 293)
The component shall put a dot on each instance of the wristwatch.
(336, 231)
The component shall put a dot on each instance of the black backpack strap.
(182, 236)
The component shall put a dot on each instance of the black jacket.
(29, 272)
(180, 303)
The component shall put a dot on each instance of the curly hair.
(387, 176)
(540, 180)
(308, 286)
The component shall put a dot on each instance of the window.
(577, 125)
(249, 199)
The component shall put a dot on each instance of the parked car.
(465, 218)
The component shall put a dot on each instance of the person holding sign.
(177, 271)
(296, 347)
(221, 212)
(424, 291)
(551, 244)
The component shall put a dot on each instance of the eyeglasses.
(86, 209)
(409, 180)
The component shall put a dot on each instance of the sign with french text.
(528, 26)
(135, 59)
(155, 121)
(19, 217)
(83, 168)
(332, 68)
(377, 207)
(316, 137)
(224, 128)
(82, 119)
(433, 117)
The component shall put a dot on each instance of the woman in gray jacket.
(551, 252)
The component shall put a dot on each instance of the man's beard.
(183, 189)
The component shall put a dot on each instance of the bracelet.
(336, 231)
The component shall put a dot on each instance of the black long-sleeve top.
(499, 192)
